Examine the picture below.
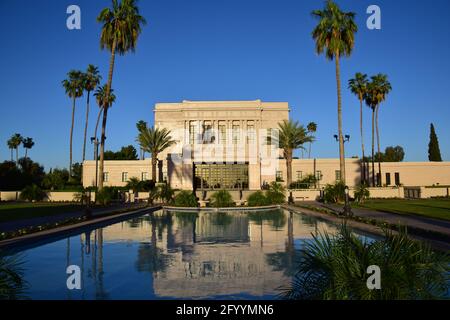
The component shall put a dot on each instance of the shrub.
(276, 193)
(32, 193)
(165, 193)
(105, 196)
(361, 193)
(222, 198)
(305, 183)
(334, 193)
(257, 199)
(335, 267)
(185, 199)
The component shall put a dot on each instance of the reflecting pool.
(174, 255)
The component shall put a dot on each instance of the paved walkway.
(424, 223)
(20, 224)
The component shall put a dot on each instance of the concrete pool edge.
(36, 236)
(223, 209)
(365, 227)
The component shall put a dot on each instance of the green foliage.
(222, 199)
(305, 183)
(276, 193)
(56, 179)
(335, 267)
(361, 193)
(125, 153)
(12, 285)
(334, 193)
(185, 199)
(434, 153)
(32, 193)
(165, 193)
(107, 194)
(391, 154)
(257, 199)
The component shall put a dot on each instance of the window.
(388, 179)
(269, 137)
(193, 128)
(222, 132)
(236, 132)
(144, 176)
(221, 176)
(299, 175)
(105, 176)
(208, 134)
(337, 174)
(250, 132)
(319, 175)
(397, 178)
(279, 176)
(124, 176)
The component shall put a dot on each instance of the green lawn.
(432, 208)
(25, 210)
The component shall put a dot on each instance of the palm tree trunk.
(12, 157)
(17, 154)
(26, 152)
(341, 137)
(373, 147)
(378, 147)
(71, 138)
(289, 168)
(105, 115)
(362, 138)
(154, 163)
(309, 151)
(86, 125)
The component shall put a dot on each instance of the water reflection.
(176, 255)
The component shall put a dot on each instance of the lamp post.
(346, 138)
(347, 209)
(95, 141)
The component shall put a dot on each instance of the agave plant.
(335, 267)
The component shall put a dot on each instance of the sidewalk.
(20, 224)
(423, 223)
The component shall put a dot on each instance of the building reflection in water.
(194, 255)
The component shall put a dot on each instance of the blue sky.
(224, 50)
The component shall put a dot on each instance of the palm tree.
(120, 31)
(100, 95)
(28, 143)
(74, 89)
(370, 99)
(141, 125)
(358, 86)
(377, 91)
(292, 136)
(311, 127)
(11, 146)
(335, 36)
(155, 141)
(14, 142)
(92, 79)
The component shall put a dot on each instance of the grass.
(431, 208)
(25, 210)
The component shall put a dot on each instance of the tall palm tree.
(155, 141)
(73, 86)
(358, 86)
(292, 136)
(382, 87)
(311, 127)
(141, 125)
(335, 36)
(92, 79)
(371, 102)
(120, 31)
(15, 142)
(11, 146)
(28, 143)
